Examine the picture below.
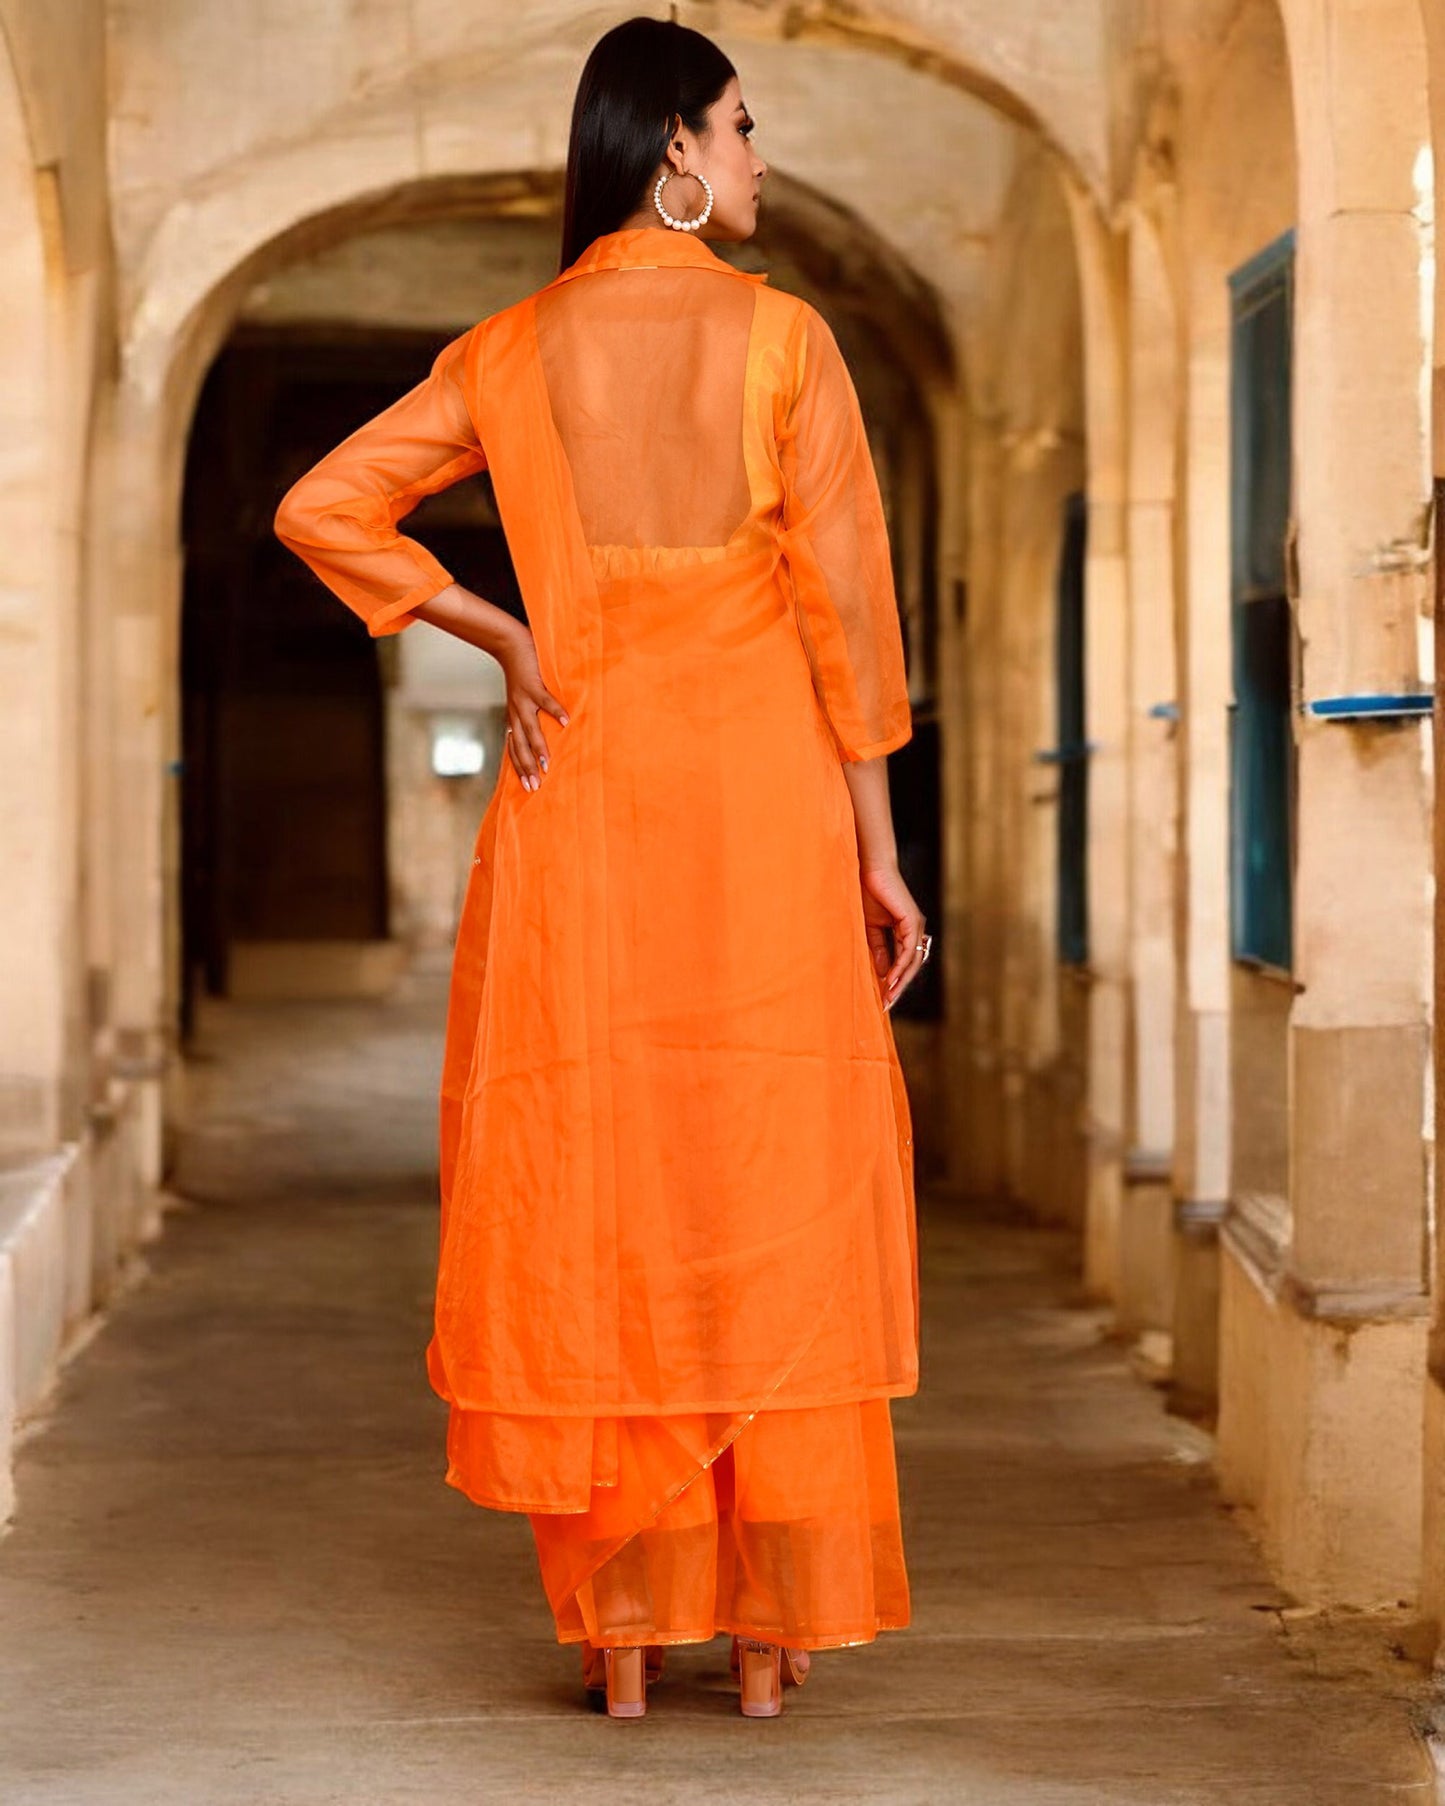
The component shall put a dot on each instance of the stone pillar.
(1202, 1040)
(988, 901)
(1323, 1335)
(1016, 676)
(141, 505)
(1041, 470)
(38, 876)
(1432, 1589)
(956, 728)
(1145, 1295)
(1107, 698)
(1234, 168)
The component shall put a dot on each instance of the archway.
(437, 130)
(341, 329)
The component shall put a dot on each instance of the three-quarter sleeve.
(341, 517)
(836, 542)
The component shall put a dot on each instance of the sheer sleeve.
(340, 518)
(837, 547)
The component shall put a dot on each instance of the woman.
(677, 1282)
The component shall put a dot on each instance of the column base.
(1194, 1381)
(68, 1222)
(1146, 1255)
(1319, 1435)
(1432, 1574)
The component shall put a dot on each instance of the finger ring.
(508, 731)
(926, 944)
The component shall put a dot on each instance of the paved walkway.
(237, 1578)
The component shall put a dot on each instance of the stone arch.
(175, 333)
(416, 118)
(381, 141)
(1027, 77)
(384, 129)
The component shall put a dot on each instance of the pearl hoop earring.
(682, 225)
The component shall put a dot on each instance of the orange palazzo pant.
(790, 1533)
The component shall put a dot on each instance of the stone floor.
(236, 1575)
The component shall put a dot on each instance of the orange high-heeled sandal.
(594, 1668)
(624, 1675)
(794, 1670)
(618, 1672)
(761, 1668)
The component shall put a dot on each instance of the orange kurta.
(675, 1147)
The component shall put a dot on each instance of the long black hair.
(637, 78)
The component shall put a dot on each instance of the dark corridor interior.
(284, 780)
(283, 762)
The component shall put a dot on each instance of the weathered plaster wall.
(1027, 454)
(78, 1128)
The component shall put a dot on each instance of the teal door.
(1072, 927)
(1262, 763)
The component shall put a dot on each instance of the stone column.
(1107, 699)
(988, 901)
(955, 926)
(1433, 1537)
(143, 558)
(1323, 1336)
(38, 877)
(1016, 676)
(1202, 1090)
(1145, 1295)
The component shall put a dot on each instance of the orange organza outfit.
(677, 1281)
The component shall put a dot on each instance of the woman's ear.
(676, 142)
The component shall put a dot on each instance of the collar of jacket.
(653, 247)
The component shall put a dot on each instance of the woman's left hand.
(888, 905)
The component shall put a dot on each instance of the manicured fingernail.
(564, 719)
(544, 764)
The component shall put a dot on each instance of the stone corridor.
(237, 1578)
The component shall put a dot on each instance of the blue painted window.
(1072, 751)
(1262, 763)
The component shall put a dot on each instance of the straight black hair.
(637, 78)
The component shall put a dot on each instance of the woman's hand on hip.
(888, 907)
(527, 698)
